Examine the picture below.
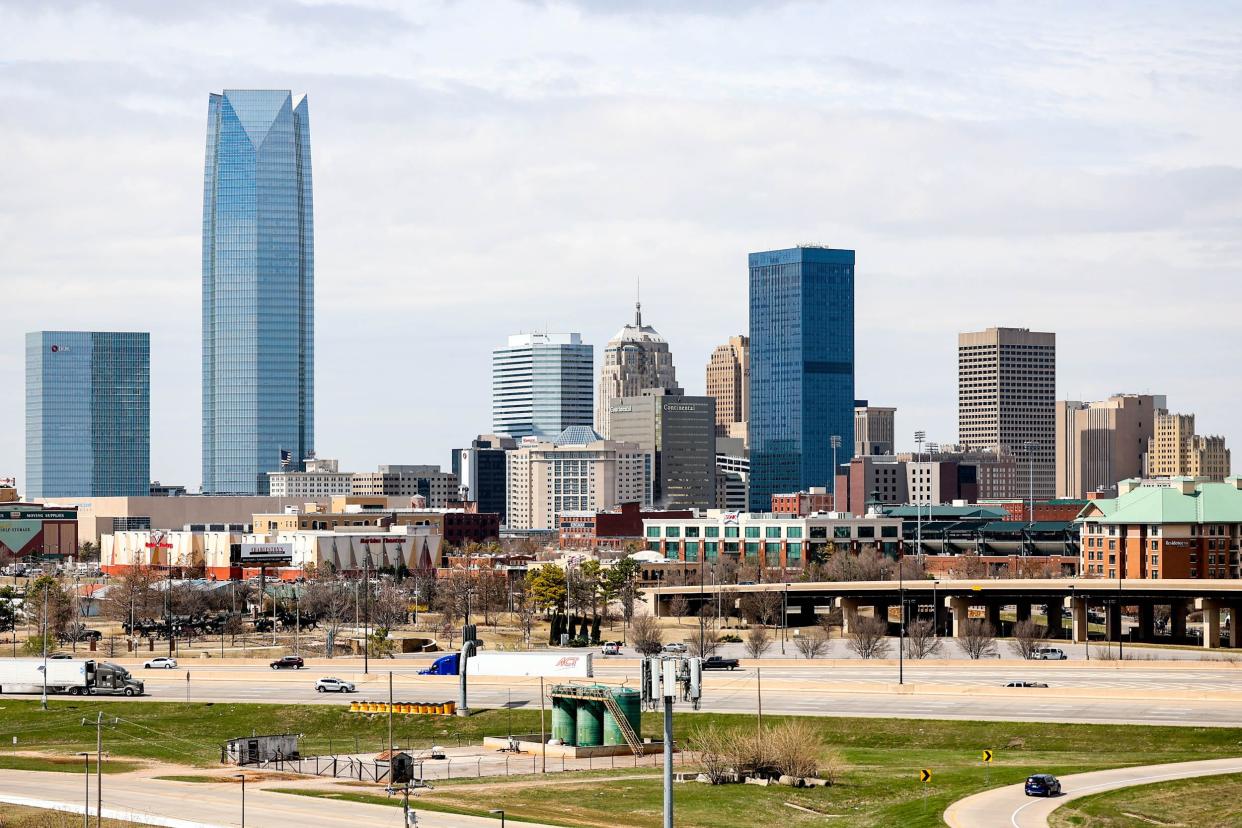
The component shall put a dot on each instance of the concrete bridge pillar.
(1023, 610)
(1055, 619)
(939, 617)
(1178, 610)
(1235, 625)
(849, 614)
(993, 615)
(1112, 613)
(1146, 622)
(1078, 610)
(960, 607)
(1211, 622)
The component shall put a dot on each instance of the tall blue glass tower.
(258, 290)
(801, 368)
(88, 414)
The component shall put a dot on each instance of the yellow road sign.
(987, 756)
(925, 775)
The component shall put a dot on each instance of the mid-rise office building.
(680, 433)
(1175, 450)
(873, 429)
(541, 384)
(732, 474)
(728, 382)
(438, 488)
(801, 368)
(88, 414)
(322, 478)
(575, 472)
(1006, 391)
(258, 290)
(636, 359)
(480, 470)
(1101, 443)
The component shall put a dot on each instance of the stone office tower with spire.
(636, 359)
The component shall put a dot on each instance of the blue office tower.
(801, 368)
(258, 290)
(88, 414)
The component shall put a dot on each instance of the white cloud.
(485, 167)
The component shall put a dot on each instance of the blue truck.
(443, 666)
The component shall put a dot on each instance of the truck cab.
(106, 678)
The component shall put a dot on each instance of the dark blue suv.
(1043, 784)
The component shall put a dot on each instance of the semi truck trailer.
(77, 678)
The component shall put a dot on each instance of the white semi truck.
(25, 675)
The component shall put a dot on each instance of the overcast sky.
(487, 168)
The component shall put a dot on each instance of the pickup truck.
(718, 663)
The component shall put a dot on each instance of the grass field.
(879, 788)
(63, 764)
(1207, 802)
(16, 816)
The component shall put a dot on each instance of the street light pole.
(242, 777)
(919, 437)
(86, 803)
(501, 813)
(1030, 446)
(43, 634)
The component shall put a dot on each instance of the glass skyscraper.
(541, 385)
(801, 368)
(88, 414)
(258, 290)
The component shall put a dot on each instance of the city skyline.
(1133, 206)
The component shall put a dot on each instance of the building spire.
(638, 302)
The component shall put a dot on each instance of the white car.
(333, 685)
(675, 647)
(160, 663)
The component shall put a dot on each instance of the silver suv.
(333, 685)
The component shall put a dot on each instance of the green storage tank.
(564, 720)
(590, 723)
(631, 705)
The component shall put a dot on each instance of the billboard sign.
(266, 553)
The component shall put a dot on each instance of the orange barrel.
(353, 707)
(407, 708)
(450, 708)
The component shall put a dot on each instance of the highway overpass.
(951, 602)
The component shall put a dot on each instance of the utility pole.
(835, 442)
(43, 632)
(86, 802)
(390, 713)
(99, 769)
(366, 614)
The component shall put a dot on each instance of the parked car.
(1043, 784)
(82, 634)
(612, 648)
(61, 656)
(1026, 684)
(719, 663)
(160, 663)
(288, 663)
(675, 647)
(1049, 654)
(334, 685)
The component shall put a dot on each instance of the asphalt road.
(213, 805)
(1109, 693)
(1009, 806)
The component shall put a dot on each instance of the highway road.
(213, 805)
(1112, 692)
(1009, 806)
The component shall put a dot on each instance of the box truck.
(25, 675)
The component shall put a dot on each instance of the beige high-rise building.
(1174, 450)
(1101, 443)
(636, 359)
(577, 471)
(1006, 401)
(873, 429)
(728, 380)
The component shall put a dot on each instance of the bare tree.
(977, 639)
(678, 606)
(921, 640)
(868, 637)
(758, 641)
(969, 566)
(828, 620)
(1028, 637)
(646, 635)
(703, 640)
(131, 595)
(710, 745)
(332, 603)
(763, 605)
(812, 645)
(390, 605)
